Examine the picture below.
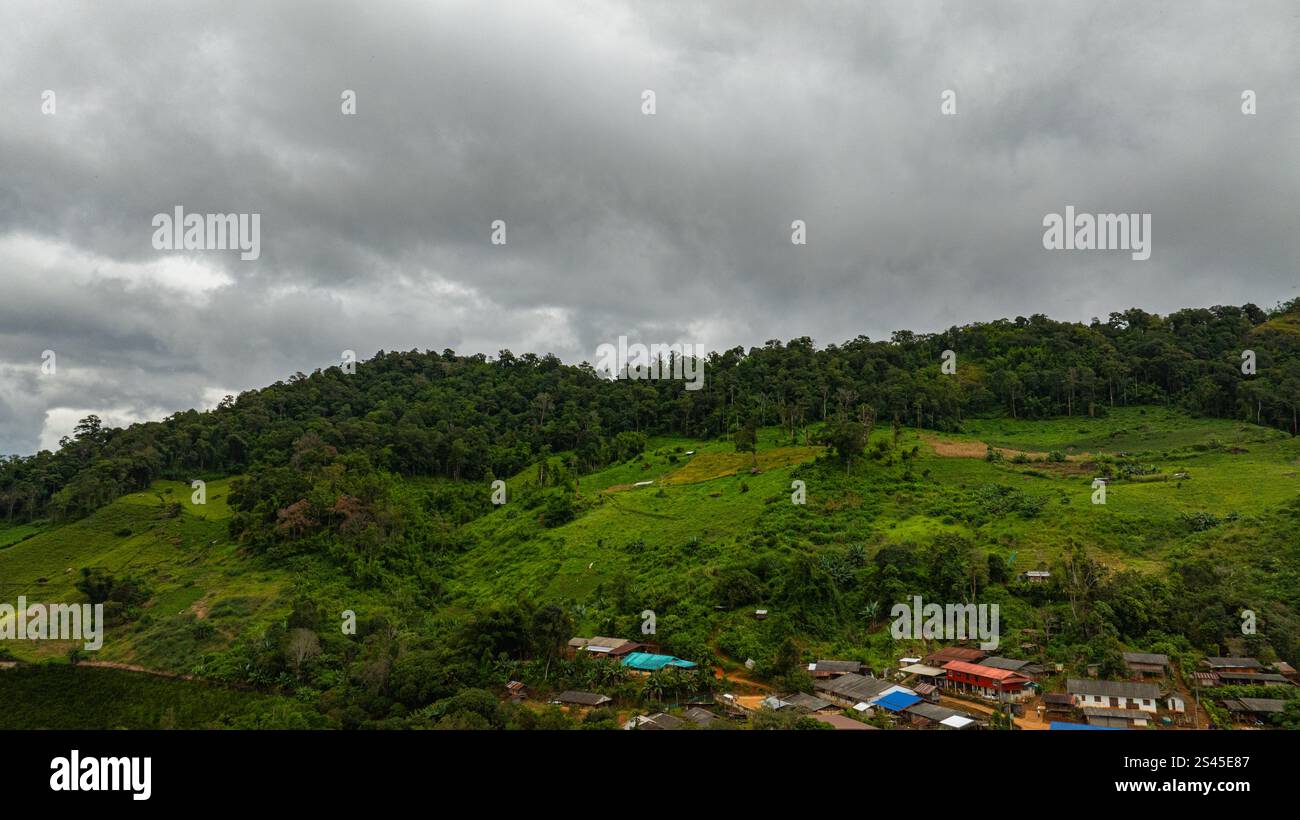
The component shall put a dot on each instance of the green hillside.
(1198, 523)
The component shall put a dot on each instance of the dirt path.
(721, 674)
(1030, 722)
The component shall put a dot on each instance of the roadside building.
(1114, 694)
(930, 716)
(1058, 703)
(1115, 718)
(987, 681)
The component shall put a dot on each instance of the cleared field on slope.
(186, 561)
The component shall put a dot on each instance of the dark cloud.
(375, 228)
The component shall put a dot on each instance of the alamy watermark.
(1101, 232)
(209, 232)
(53, 622)
(949, 622)
(656, 361)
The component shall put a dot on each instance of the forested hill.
(439, 414)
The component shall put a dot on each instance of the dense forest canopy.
(472, 417)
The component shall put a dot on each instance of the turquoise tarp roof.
(648, 662)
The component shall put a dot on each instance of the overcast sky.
(675, 227)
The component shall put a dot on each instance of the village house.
(1058, 703)
(929, 716)
(660, 721)
(1254, 708)
(987, 681)
(852, 689)
(1113, 694)
(1287, 671)
(966, 654)
(516, 690)
(700, 717)
(599, 645)
(1112, 718)
(1027, 668)
(1036, 576)
(830, 669)
(1252, 679)
(928, 691)
(925, 680)
(1232, 665)
(574, 698)
(809, 704)
(1146, 663)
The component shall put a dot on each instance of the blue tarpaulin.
(898, 701)
(647, 662)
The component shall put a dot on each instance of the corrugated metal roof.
(852, 686)
(582, 698)
(1003, 675)
(897, 701)
(1146, 658)
(1112, 689)
(922, 670)
(955, 653)
(1264, 704)
(809, 703)
(1010, 664)
(932, 711)
(837, 666)
(1230, 663)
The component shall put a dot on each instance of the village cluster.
(955, 687)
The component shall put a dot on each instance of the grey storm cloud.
(673, 227)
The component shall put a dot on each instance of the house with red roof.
(988, 681)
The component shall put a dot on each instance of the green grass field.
(664, 545)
